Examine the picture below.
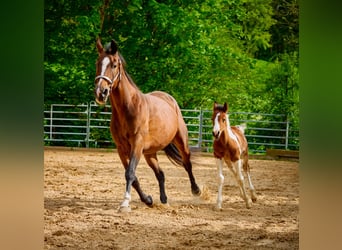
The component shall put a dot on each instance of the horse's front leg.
(132, 180)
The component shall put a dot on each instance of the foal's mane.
(220, 107)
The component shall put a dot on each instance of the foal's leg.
(251, 187)
(219, 164)
(236, 168)
(152, 161)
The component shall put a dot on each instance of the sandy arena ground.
(84, 188)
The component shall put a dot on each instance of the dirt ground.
(84, 188)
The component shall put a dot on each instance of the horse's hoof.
(248, 205)
(125, 209)
(163, 200)
(254, 199)
(196, 191)
(163, 206)
(149, 201)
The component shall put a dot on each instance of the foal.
(230, 145)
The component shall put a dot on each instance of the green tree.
(243, 52)
(70, 31)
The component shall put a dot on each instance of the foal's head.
(219, 119)
(108, 70)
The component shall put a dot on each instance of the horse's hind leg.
(184, 151)
(152, 161)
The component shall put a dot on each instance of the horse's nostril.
(105, 92)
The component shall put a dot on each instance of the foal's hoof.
(125, 209)
(248, 205)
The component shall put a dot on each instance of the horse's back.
(165, 97)
(162, 98)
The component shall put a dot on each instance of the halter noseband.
(104, 77)
(118, 75)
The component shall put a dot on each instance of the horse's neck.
(124, 94)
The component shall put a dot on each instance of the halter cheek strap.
(118, 75)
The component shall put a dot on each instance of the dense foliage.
(244, 52)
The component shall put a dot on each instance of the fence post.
(287, 134)
(88, 112)
(51, 117)
(200, 132)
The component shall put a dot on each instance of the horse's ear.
(215, 105)
(113, 47)
(225, 107)
(99, 45)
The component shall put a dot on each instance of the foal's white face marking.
(216, 128)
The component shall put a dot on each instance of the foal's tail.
(242, 127)
(173, 154)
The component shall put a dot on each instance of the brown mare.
(230, 145)
(141, 124)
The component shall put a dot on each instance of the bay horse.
(141, 124)
(230, 145)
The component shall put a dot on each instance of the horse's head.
(219, 119)
(108, 70)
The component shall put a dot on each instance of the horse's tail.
(173, 154)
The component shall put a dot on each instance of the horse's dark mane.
(123, 61)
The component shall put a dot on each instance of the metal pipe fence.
(87, 125)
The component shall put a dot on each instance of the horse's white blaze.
(216, 128)
(105, 63)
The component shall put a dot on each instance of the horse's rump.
(171, 150)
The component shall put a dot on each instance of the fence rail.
(87, 125)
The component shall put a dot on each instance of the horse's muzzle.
(216, 134)
(102, 95)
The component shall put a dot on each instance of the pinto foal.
(230, 145)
